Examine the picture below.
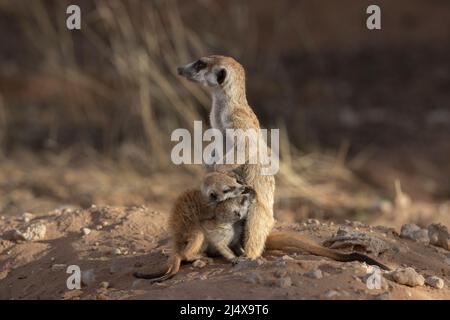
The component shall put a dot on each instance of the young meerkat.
(225, 79)
(202, 224)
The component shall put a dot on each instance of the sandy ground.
(127, 239)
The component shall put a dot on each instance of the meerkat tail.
(162, 276)
(281, 240)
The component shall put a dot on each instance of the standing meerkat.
(210, 224)
(225, 79)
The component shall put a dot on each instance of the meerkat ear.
(221, 75)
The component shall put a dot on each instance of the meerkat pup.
(225, 79)
(200, 224)
(224, 231)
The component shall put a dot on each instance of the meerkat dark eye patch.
(199, 65)
(221, 75)
(229, 189)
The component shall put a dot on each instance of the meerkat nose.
(180, 71)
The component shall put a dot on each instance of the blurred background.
(86, 116)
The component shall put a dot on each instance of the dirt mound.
(110, 243)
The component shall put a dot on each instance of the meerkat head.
(217, 187)
(235, 209)
(213, 71)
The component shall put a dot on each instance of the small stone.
(314, 273)
(34, 232)
(407, 276)
(96, 243)
(199, 264)
(27, 217)
(439, 235)
(284, 282)
(253, 277)
(414, 232)
(203, 277)
(435, 282)
(99, 227)
(87, 277)
(117, 252)
(105, 223)
(313, 222)
(104, 284)
(287, 258)
(58, 267)
(86, 231)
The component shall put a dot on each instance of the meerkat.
(200, 224)
(224, 231)
(225, 79)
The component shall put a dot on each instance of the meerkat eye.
(228, 189)
(199, 65)
(213, 196)
(221, 75)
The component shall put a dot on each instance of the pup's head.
(217, 187)
(213, 71)
(235, 209)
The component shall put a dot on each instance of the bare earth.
(127, 239)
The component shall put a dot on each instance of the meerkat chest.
(218, 232)
(220, 117)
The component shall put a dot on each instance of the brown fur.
(231, 110)
(197, 222)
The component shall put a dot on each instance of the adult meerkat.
(202, 224)
(225, 79)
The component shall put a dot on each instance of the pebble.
(414, 232)
(104, 284)
(313, 222)
(86, 231)
(27, 217)
(199, 264)
(435, 282)
(34, 232)
(117, 251)
(439, 235)
(287, 258)
(284, 282)
(407, 276)
(314, 273)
